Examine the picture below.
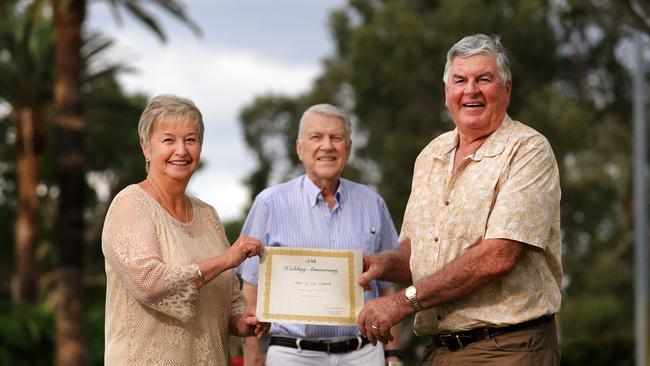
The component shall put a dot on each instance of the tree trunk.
(28, 145)
(70, 161)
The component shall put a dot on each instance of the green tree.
(598, 214)
(25, 83)
(633, 13)
(113, 150)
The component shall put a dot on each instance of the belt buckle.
(341, 346)
(327, 344)
(451, 341)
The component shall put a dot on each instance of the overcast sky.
(248, 47)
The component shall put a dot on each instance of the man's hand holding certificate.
(310, 286)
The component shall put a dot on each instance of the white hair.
(476, 44)
(328, 110)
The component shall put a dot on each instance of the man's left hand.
(379, 315)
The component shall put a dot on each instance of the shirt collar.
(493, 146)
(313, 191)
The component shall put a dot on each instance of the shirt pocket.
(471, 206)
(360, 231)
(366, 238)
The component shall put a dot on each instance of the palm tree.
(25, 83)
(69, 16)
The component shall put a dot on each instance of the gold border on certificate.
(354, 297)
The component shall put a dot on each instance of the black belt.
(343, 346)
(455, 341)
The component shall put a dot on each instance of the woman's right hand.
(244, 247)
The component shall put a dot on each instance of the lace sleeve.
(131, 246)
(237, 303)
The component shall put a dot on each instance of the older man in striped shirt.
(319, 210)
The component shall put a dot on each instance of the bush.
(607, 351)
(26, 335)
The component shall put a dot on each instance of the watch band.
(394, 353)
(415, 303)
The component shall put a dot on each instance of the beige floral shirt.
(509, 189)
(154, 313)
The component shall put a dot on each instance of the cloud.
(226, 196)
(295, 30)
(222, 78)
(220, 81)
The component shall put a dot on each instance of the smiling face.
(475, 95)
(323, 148)
(174, 149)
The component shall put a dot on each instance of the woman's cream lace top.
(154, 313)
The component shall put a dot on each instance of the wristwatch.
(397, 353)
(411, 295)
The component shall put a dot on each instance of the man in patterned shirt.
(481, 231)
(319, 210)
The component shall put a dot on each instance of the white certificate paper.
(310, 286)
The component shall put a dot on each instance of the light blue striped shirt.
(293, 214)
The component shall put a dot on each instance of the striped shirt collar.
(314, 194)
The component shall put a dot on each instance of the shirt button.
(436, 239)
(446, 203)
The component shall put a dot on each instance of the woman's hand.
(247, 324)
(244, 247)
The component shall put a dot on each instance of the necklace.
(182, 224)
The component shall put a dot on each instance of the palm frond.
(147, 19)
(177, 9)
(173, 7)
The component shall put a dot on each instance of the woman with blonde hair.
(172, 297)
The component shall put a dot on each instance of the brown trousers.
(533, 346)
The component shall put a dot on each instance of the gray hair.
(168, 108)
(480, 43)
(328, 110)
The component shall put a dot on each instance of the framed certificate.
(309, 286)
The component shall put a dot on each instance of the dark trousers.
(535, 346)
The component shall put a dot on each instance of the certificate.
(309, 286)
